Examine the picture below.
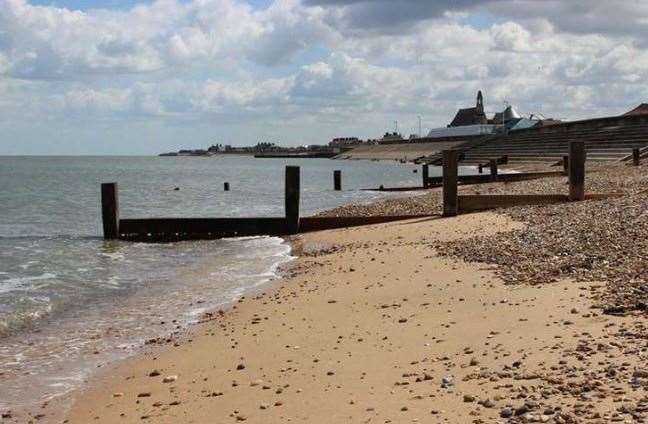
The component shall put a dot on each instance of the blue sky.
(188, 73)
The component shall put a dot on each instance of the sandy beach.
(371, 325)
(529, 314)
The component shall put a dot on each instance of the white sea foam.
(14, 283)
(116, 256)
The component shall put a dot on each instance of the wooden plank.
(174, 229)
(482, 179)
(337, 180)
(110, 210)
(493, 169)
(565, 164)
(577, 157)
(169, 229)
(292, 199)
(450, 177)
(426, 175)
(469, 203)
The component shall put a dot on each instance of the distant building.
(462, 131)
(474, 122)
(471, 116)
(389, 138)
(344, 141)
(216, 148)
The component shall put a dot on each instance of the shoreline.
(345, 246)
(49, 409)
(314, 346)
(54, 408)
(302, 248)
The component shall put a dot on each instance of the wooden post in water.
(577, 170)
(292, 199)
(493, 169)
(565, 164)
(337, 180)
(226, 186)
(110, 210)
(636, 157)
(450, 180)
(426, 175)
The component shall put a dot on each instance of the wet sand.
(370, 325)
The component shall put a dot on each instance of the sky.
(142, 77)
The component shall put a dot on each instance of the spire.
(480, 103)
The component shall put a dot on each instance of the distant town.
(336, 146)
(468, 123)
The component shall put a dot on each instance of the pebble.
(170, 379)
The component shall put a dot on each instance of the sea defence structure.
(174, 229)
(410, 151)
(606, 139)
(611, 138)
(455, 203)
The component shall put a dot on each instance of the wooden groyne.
(488, 178)
(494, 175)
(454, 204)
(174, 229)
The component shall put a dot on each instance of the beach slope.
(370, 325)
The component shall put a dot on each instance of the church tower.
(480, 103)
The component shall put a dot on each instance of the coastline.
(239, 318)
(339, 300)
(368, 324)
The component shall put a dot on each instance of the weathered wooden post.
(292, 199)
(450, 180)
(480, 168)
(577, 170)
(565, 164)
(110, 210)
(426, 175)
(636, 157)
(493, 169)
(226, 186)
(337, 180)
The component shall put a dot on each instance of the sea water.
(70, 301)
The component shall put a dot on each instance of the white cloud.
(300, 71)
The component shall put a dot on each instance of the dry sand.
(369, 325)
